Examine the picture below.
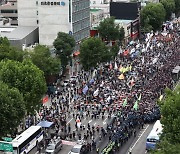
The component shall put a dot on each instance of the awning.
(45, 124)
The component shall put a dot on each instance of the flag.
(125, 102)
(130, 68)
(139, 97)
(132, 82)
(96, 92)
(161, 97)
(135, 107)
(110, 66)
(45, 99)
(121, 77)
(85, 89)
(115, 66)
(121, 69)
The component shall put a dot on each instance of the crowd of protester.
(126, 89)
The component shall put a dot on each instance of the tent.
(45, 124)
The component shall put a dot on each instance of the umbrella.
(131, 43)
(45, 124)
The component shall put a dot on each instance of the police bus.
(154, 135)
(26, 141)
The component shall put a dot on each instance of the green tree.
(27, 78)
(9, 52)
(114, 50)
(177, 7)
(166, 148)
(42, 58)
(152, 16)
(170, 110)
(12, 109)
(121, 35)
(92, 52)
(64, 44)
(108, 30)
(169, 6)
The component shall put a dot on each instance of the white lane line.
(69, 121)
(94, 123)
(104, 123)
(104, 120)
(140, 137)
(145, 151)
(90, 121)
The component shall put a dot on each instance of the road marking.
(69, 121)
(140, 137)
(145, 151)
(94, 123)
(104, 123)
(90, 121)
(104, 120)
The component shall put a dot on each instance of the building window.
(37, 13)
(37, 21)
(36, 2)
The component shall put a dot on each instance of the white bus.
(25, 142)
(154, 135)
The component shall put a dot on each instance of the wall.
(27, 13)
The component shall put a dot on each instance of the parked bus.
(154, 135)
(25, 142)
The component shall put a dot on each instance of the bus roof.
(25, 135)
(156, 131)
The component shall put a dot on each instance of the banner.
(121, 77)
(125, 102)
(136, 106)
(85, 89)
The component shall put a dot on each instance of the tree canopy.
(152, 17)
(42, 58)
(169, 6)
(12, 109)
(92, 52)
(170, 109)
(108, 30)
(27, 78)
(177, 7)
(64, 44)
(9, 52)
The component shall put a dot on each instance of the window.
(37, 12)
(37, 21)
(8, 11)
(70, 11)
(36, 2)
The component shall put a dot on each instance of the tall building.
(69, 16)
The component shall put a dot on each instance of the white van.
(54, 147)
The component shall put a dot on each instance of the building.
(69, 16)
(127, 15)
(8, 12)
(96, 16)
(20, 37)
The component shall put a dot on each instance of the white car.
(78, 149)
(73, 79)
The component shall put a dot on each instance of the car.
(78, 149)
(54, 147)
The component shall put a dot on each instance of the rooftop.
(16, 33)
